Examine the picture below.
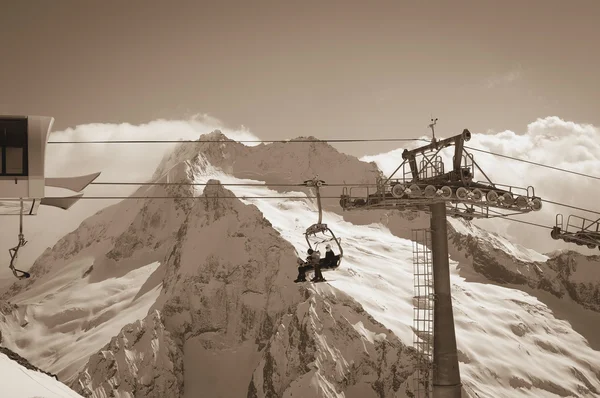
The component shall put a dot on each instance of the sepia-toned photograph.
(299, 199)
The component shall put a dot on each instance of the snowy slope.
(377, 273)
(496, 326)
(511, 343)
(95, 280)
(19, 381)
(227, 301)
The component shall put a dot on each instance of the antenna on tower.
(431, 126)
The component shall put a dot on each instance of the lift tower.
(425, 186)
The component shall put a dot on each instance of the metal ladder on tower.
(423, 302)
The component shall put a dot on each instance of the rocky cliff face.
(141, 361)
(563, 274)
(227, 300)
(113, 234)
(95, 279)
(567, 274)
(330, 347)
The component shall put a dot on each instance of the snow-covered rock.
(227, 293)
(20, 379)
(330, 347)
(141, 361)
(96, 279)
(564, 274)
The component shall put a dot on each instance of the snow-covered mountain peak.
(275, 163)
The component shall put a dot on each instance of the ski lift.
(320, 228)
(23, 141)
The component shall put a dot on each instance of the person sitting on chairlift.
(330, 257)
(302, 267)
(312, 261)
(315, 261)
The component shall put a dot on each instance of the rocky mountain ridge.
(234, 301)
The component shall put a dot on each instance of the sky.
(285, 69)
(280, 70)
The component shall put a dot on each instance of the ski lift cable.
(358, 185)
(199, 197)
(270, 197)
(506, 217)
(227, 184)
(318, 140)
(281, 197)
(291, 141)
(534, 163)
(571, 207)
(257, 197)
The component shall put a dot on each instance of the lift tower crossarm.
(457, 141)
(410, 155)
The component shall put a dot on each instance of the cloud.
(551, 141)
(117, 162)
(505, 78)
(138, 160)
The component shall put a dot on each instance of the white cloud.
(138, 160)
(551, 141)
(117, 162)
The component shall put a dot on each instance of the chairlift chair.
(320, 228)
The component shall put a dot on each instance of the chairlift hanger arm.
(14, 252)
(316, 183)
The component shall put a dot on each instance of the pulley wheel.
(492, 196)
(508, 199)
(521, 202)
(462, 193)
(430, 191)
(446, 192)
(414, 190)
(398, 191)
(477, 194)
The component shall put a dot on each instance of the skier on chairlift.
(313, 260)
(302, 268)
(330, 257)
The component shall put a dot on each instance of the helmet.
(310, 251)
(328, 247)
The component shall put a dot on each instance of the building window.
(13, 146)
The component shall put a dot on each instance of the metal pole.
(319, 204)
(446, 374)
